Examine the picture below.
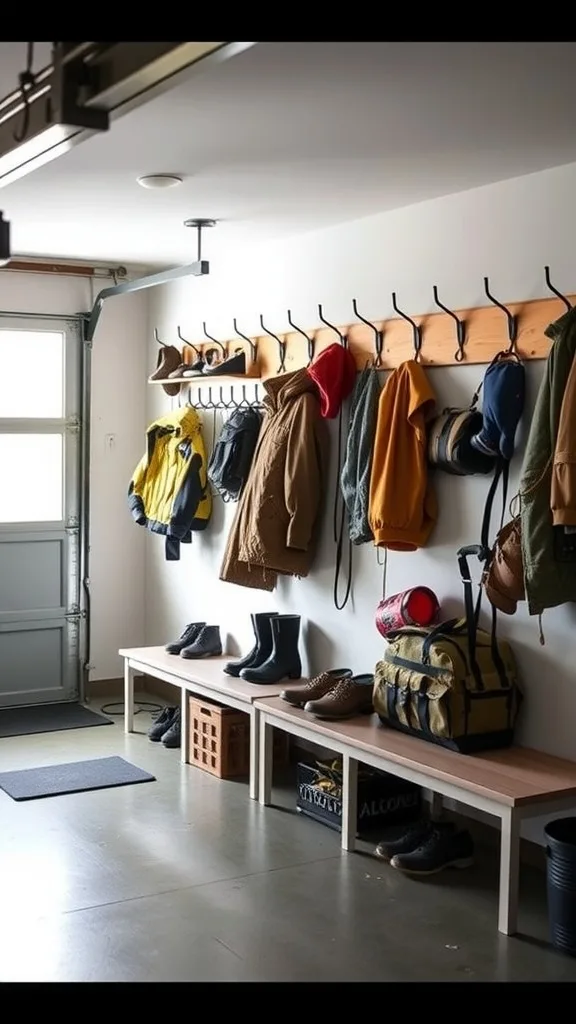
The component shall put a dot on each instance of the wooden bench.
(510, 784)
(206, 678)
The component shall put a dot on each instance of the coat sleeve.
(563, 488)
(302, 476)
(135, 499)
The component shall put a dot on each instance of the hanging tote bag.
(454, 684)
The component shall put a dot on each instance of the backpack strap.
(472, 611)
(338, 528)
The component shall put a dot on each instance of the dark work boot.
(262, 648)
(190, 634)
(284, 659)
(173, 736)
(444, 847)
(207, 644)
(161, 724)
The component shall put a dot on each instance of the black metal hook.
(511, 318)
(281, 346)
(162, 343)
(378, 336)
(416, 329)
(253, 347)
(341, 337)
(199, 403)
(189, 343)
(309, 341)
(460, 327)
(210, 338)
(555, 290)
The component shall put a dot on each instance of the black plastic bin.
(561, 882)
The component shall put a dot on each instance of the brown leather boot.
(316, 688)
(351, 696)
(169, 359)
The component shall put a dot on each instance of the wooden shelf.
(207, 381)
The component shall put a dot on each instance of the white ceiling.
(289, 137)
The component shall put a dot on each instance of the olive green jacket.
(549, 569)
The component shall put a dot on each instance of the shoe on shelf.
(206, 645)
(233, 366)
(351, 696)
(169, 359)
(161, 724)
(262, 647)
(444, 847)
(316, 688)
(194, 369)
(410, 837)
(173, 737)
(191, 633)
(284, 659)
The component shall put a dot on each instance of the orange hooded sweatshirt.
(403, 508)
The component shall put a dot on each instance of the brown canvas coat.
(276, 523)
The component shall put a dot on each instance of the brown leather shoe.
(169, 359)
(351, 696)
(316, 688)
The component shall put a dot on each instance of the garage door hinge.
(72, 425)
(75, 613)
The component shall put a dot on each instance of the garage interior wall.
(118, 413)
(508, 231)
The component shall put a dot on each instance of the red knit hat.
(334, 373)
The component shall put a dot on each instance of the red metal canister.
(418, 606)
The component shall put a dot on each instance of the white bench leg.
(266, 744)
(509, 873)
(349, 802)
(184, 750)
(128, 697)
(254, 751)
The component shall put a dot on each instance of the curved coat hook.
(189, 343)
(341, 337)
(309, 341)
(378, 336)
(199, 403)
(253, 347)
(162, 343)
(460, 327)
(210, 338)
(555, 290)
(416, 329)
(281, 346)
(512, 320)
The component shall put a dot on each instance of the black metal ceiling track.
(87, 86)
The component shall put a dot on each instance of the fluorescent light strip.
(34, 152)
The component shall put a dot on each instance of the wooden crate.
(218, 739)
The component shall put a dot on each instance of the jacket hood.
(334, 372)
(564, 323)
(280, 390)
(186, 417)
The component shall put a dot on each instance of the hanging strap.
(501, 472)
(338, 529)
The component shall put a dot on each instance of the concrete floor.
(186, 879)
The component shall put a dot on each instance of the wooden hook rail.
(486, 334)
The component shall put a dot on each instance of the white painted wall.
(508, 231)
(118, 408)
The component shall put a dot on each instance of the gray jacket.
(355, 476)
(549, 565)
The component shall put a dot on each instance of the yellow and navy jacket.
(169, 491)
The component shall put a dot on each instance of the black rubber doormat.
(75, 777)
(48, 718)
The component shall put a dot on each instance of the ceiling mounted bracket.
(198, 269)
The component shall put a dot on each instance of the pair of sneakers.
(427, 847)
(166, 728)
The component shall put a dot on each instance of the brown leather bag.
(503, 578)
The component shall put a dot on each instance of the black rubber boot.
(262, 648)
(284, 659)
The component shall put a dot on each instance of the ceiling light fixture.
(159, 180)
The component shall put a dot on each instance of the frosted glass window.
(31, 478)
(31, 374)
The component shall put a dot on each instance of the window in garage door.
(40, 398)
